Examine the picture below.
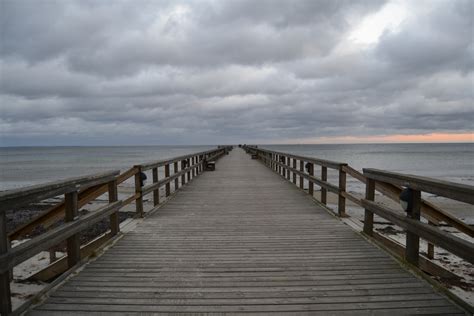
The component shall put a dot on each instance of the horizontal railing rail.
(185, 167)
(431, 212)
(414, 186)
(77, 193)
(69, 231)
(56, 213)
(391, 185)
(286, 165)
(161, 163)
(452, 190)
(18, 197)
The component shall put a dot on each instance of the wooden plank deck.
(241, 240)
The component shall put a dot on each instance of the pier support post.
(114, 218)
(183, 176)
(294, 174)
(368, 215)
(176, 181)
(324, 191)
(279, 166)
(311, 183)
(412, 251)
(5, 294)
(189, 172)
(168, 185)
(138, 192)
(288, 168)
(301, 178)
(73, 242)
(156, 192)
(341, 205)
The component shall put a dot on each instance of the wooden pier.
(244, 239)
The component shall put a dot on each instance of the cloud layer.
(194, 72)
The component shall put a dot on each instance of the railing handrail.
(162, 162)
(42, 242)
(452, 190)
(19, 197)
(453, 244)
(321, 162)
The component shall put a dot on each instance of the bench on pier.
(210, 165)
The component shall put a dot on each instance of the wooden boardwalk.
(240, 240)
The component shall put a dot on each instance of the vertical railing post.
(183, 176)
(189, 172)
(279, 162)
(288, 168)
(175, 171)
(412, 251)
(341, 204)
(283, 169)
(311, 183)
(324, 191)
(138, 192)
(168, 185)
(113, 197)
(5, 293)
(368, 215)
(301, 178)
(196, 162)
(156, 192)
(194, 170)
(294, 173)
(73, 242)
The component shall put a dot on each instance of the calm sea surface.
(21, 166)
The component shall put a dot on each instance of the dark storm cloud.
(230, 71)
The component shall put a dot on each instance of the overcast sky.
(256, 71)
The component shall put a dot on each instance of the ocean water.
(22, 166)
(450, 162)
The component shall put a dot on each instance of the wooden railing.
(391, 186)
(184, 167)
(411, 221)
(77, 193)
(10, 257)
(286, 165)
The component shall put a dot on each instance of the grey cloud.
(439, 38)
(228, 71)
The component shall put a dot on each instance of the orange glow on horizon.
(412, 138)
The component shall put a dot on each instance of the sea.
(24, 166)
